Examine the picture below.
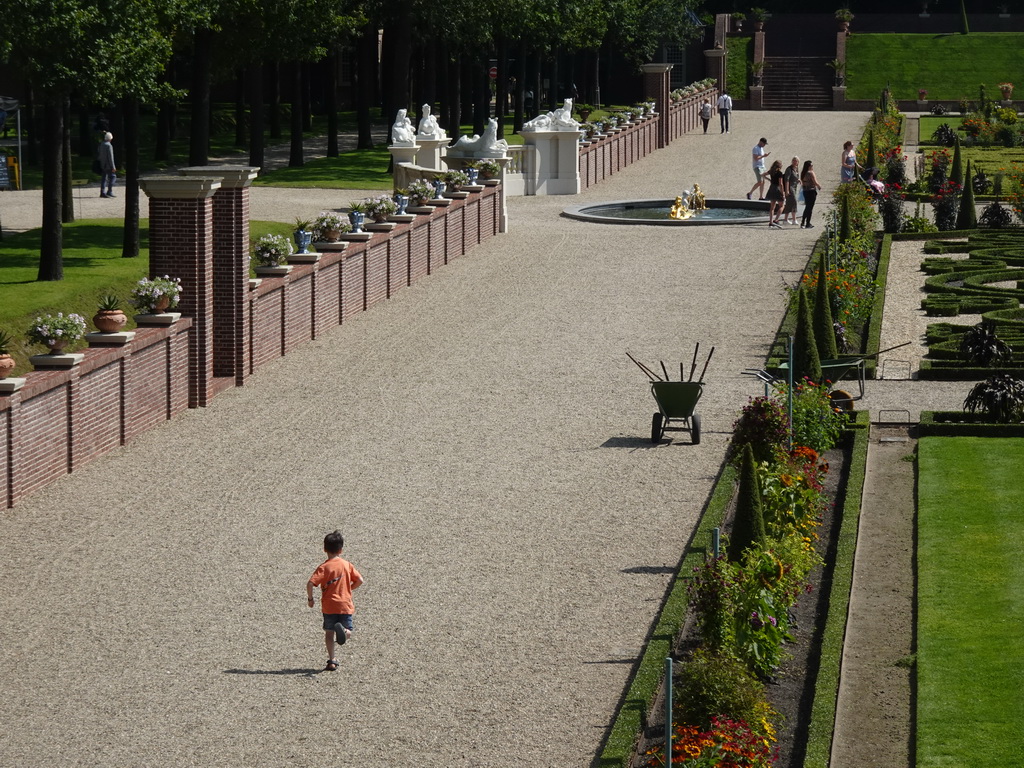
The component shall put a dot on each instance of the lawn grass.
(970, 691)
(907, 62)
(93, 267)
(358, 169)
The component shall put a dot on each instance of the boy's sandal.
(331, 665)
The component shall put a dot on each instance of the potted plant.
(158, 294)
(57, 331)
(303, 234)
(357, 216)
(271, 251)
(420, 191)
(760, 16)
(329, 227)
(844, 17)
(489, 169)
(401, 198)
(379, 208)
(584, 110)
(922, 94)
(757, 72)
(1007, 90)
(7, 361)
(455, 180)
(737, 21)
(839, 68)
(109, 318)
(438, 188)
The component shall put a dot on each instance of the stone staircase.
(797, 83)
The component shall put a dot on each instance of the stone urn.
(357, 219)
(110, 320)
(402, 201)
(161, 304)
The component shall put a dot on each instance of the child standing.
(336, 578)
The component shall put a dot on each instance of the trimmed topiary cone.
(870, 157)
(806, 362)
(824, 332)
(748, 525)
(967, 217)
(956, 169)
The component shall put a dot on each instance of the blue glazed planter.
(356, 219)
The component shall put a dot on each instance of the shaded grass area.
(970, 691)
(908, 62)
(358, 169)
(93, 267)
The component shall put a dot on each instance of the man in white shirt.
(757, 156)
(724, 108)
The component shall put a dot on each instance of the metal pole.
(716, 541)
(668, 711)
(789, 397)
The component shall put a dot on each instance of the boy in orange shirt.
(336, 578)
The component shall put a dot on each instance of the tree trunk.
(30, 123)
(455, 97)
(366, 75)
(555, 93)
(256, 115)
(275, 100)
(164, 116)
(86, 145)
(428, 77)
(199, 93)
(240, 108)
(51, 245)
(67, 212)
(130, 151)
(295, 153)
(307, 97)
(501, 92)
(331, 102)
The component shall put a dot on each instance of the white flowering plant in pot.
(156, 294)
(57, 331)
(420, 191)
(379, 208)
(329, 226)
(271, 250)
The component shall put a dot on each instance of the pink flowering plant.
(148, 292)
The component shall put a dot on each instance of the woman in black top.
(811, 186)
(776, 193)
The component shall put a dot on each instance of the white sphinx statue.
(488, 145)
(559, 120)
(402, 133)
(429, 129)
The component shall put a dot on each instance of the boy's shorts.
(345, 619)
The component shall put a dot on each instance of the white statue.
(429, 129)
(559, 120)
(488, 145)
(402, 133)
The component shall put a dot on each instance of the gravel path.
(481, 440)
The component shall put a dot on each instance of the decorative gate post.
(656, 82)
(181, 245)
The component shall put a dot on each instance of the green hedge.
(963, 424)
(740, 53)
(826, 686)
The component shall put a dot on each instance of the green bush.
(718, 684)
(748, 524)
(763, 426)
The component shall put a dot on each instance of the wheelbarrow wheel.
(695, 429)
(656, 430)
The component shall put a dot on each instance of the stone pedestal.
(10, 385)
(557, 170)
(656, 89)
(118, 339)
(432, 153)
(838, 96)
(756, 96)
(404, 154)
(67, 360)
(311, 257)
(157, 318)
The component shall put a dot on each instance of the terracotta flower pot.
(332, 235)
(161, 304)
(109, 320)
(57, 346)
(7, 365)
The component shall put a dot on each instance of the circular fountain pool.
(656, 212)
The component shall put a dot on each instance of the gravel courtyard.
(482, 442)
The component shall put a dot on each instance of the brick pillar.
(230, 268)
(656, 88)
(181, 245)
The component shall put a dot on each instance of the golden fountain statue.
(697, 202)
(680, 210)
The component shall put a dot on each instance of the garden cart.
(676, 401)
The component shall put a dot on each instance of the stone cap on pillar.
(655, 69)
(180, 187)
(231, 176)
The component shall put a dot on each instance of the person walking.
(705, 114)
(791, 179)
(757, 158)
(336, 578)
(105, 163)
(724, 108)
(776, 193)
(848, 163)
(810, 185)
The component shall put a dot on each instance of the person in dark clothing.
(810, 184)
(107, 168)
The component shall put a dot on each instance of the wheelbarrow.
(676, 401)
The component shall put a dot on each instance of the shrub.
(718, 684)
(806, 361)
(1000, 397)
(792, 494)
(944, 135)
(824, 333)
(967, 217)
(946, 204)
(895, 163)
(981, 345)
(890, 206)
(816, 424)
(939, 110)
(748, 524)
(980, 181)
(763, 426)
(995, 217)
